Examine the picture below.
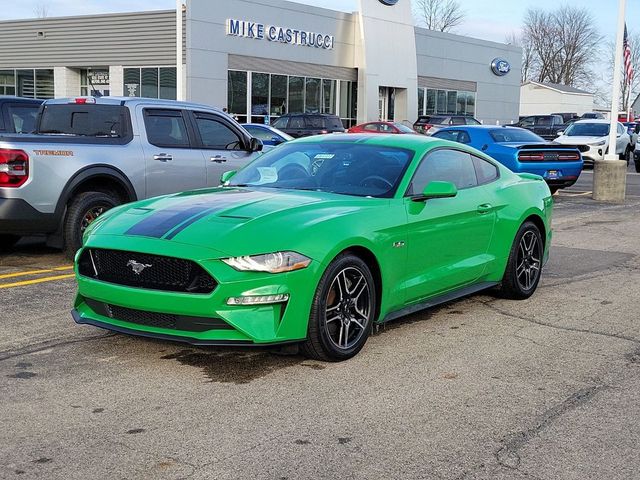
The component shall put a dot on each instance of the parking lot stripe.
(39, 280)
(34, 272)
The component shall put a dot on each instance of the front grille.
(141, 270)
(168, 321)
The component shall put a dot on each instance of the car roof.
(480, 127)
(13, 98)
(300, 114)
(133, 101)
(593, 120)
(412, 142)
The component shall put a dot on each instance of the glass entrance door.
(386, 103)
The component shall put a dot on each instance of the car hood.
(565, 140)
(231, 221)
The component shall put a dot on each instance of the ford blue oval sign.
(391, 3)
(500, 67)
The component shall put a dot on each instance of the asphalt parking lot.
(480, 388)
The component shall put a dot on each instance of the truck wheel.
(84, 209)
(8, 241)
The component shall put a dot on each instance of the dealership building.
(261, 59)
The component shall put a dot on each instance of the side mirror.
(226, 176)
(559, 132)
(437, 189)
(277, 140)
(255, 145)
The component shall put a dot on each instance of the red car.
(381, 127)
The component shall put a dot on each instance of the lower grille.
(142, 270)
(168, 321)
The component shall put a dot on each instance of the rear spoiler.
(554, 146)
(530, 176)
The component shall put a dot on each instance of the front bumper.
(268, 324)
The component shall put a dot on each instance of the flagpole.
(610, 174)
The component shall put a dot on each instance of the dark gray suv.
(307, 124)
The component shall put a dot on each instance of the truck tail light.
(14, 168)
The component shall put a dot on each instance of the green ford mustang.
(314, 242)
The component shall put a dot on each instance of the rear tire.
(342, 312)
(553, 190)
(524, 266)
(83, 209)
(637, 167)
(7, 242)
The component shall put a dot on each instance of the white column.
(116, 81)
(66, 82)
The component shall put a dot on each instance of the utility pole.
(179, 60)
(610, 174)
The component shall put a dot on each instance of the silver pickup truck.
(91, 154)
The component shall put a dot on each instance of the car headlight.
(598, 144)
(277, 262)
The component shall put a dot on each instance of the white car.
(592, 137)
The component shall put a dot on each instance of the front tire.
(626, 156)
(83, 210)
(343, 310)
(524, 266)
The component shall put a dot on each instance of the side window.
(281, 123)
(485, 171)
(166, 128)
(370, 127)
(23, 118)
(459, 136)
(297, 122)
(262, 134)
(527, 122)
(457, 120)
(620, 129)
(383, 127)
(543, 121)
(446, 166)
(215, 134)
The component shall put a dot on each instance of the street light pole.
(179, 59)
(610, 174)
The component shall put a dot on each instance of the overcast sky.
(487, 19)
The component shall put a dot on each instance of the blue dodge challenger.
(521, 151)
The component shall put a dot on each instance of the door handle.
(163, 157)
(484, 208)
(218, 159)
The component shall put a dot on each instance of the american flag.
(628, 68)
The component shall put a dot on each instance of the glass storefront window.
(259, 94)
(131, 82)
(149, 78)
(442, 101)
(150, 82)
(278, 95)
(471, 104)
(421, 101)
(452, 98)
(7, 82)
(237, 92)
(461, 108)
(431, 101)
(329, 96)
(168, 83)
(313, 87)
(296, 94)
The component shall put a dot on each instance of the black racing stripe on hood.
(176, 218)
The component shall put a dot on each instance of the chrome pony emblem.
(138, 267)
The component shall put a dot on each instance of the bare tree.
(41, 10)
(562, 43)
(528, 59)
(441, 15)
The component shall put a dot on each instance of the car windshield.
(587, 129)
(403, 128)
(504, 135)
(338, 167)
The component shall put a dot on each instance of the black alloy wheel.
(343, 310)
